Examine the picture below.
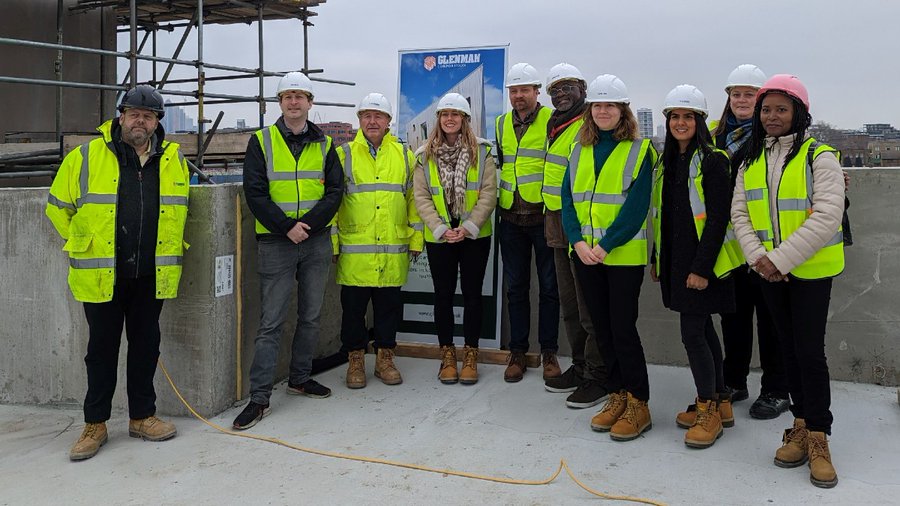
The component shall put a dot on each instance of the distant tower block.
(645, 122)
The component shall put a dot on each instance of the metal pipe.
(154, 54)
(59, 77)
(21, 156)
(201, 120)
(261, 103)
(306, 24)
(184, 36)
(132, 14)
(50, 82)
(128, 74)
(16, 175)
(207, 79)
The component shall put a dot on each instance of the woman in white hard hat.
(787, 207)
(605, 197)
(693, 256)
(730, 133)
(455, 183)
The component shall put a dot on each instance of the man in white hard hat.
(293, 185)
(378, 231)
(521, 138)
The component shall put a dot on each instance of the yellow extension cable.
(450, 472)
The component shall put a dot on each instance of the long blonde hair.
(437, 137)
(626, 130)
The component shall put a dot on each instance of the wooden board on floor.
(224, 144)
(485, 355)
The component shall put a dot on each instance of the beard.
(136, 137)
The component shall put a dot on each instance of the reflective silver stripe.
(85, 173)
(756, 194)
(267, 148)
(530, 178)
(573, 166)
(417, 226)
(837, 238)
(763, 235)
(409, 179)
(506, 185)
(581, 197)
(500, 121)
(348, 162)
(309, 174)
(530, 153)
(168, 260)
(281, 176)
(173, 201)
(630, 162)
(509, 158)
(608, 198)
(553, 190)
(793, 205)
(334, 230)
(698, 207)
(435, 190)
(97, 198)
(587, 229)
(809, 174)
(375, 187)
(92, 263)
(640, 235)
(729, 234)
(473, 185)
(296, 206)
(482, 156)
(375, 248)
(59, 203)
(557, 159)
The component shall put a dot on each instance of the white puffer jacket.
(819, 227)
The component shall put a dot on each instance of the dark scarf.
(562, 119)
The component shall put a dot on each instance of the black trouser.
(737, 336)
(469, 258)
(611, 294)
(387, 309)
(704, 354)
(135, 305)
(800, 311)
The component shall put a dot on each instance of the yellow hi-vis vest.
(82, 208)
(794, 205)
(294, 185)
(522, 166)
(377, 223)
(598, 200)
(555, 165)
(474, 179)
(730, 256)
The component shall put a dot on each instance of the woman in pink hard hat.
(786, 210)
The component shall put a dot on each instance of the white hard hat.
(375, 102)
(686, 96)
(294, 81)
(454, 102)
(522, 74)
(562, 72)
(746, 75)
(607, 88)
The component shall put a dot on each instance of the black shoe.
(565, 382)
(590, 393)
(737, 394)
(309, 388)
(251, 414)
(767, 407)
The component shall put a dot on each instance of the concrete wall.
(44, 334)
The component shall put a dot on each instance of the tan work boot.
(92, 438)
(515, 368)
(686, 418)
(635, 420)
(821, 470)
(385, 368)
(469, 373)
(151, 429)
(356, 369)
(612, 410)
(707, 426)
(447, 373)
(551, 365)
(794, 449)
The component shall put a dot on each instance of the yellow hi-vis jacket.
(794, 204)
(598, 200)
(730, 256)
(555, 163)
(474, 179)
(377, 223)
(82, 207)
(522, 166)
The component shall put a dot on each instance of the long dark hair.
(754, 148)
(702, 139)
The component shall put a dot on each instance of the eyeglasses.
(563, 88)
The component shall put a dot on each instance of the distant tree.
(825, 132)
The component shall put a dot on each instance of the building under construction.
(58, 74)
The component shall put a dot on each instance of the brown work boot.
(447, 373)
(685, 419)
(821, 471)
(515, 368)
(707, 426)
(356, 369)
(151, 429)
(92, 438)
(469, 373)
(551, 365)
(794, 449)
(635, 420)
(612, 410)
(385, 368)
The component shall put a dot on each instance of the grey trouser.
(577, 320)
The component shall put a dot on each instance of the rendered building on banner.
(472, 88)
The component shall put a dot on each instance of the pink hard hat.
(787, 84)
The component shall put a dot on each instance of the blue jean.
(516, 243)
(281, 262)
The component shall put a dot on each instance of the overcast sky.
(846, 52)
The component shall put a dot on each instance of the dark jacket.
(682, 253)
(256, 183)
(137, 205)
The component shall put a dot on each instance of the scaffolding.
(151, 17)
